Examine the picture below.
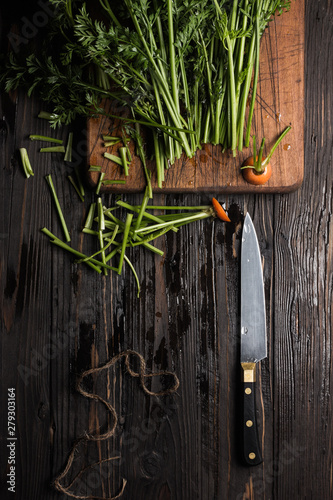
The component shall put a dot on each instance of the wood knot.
(150, 465)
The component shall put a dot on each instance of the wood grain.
(58, 319)
(280, 102)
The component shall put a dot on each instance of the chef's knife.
(253, 335)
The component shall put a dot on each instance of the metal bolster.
(249, 372)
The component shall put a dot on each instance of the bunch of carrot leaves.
(184, 69)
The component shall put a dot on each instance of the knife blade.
(253, 336)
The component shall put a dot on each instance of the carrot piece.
(252, 176)
(219, 210)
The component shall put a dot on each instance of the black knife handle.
(251, 444)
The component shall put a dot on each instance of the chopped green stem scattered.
(26, 163)
(100, 182)
(90, 217)
(58, 207)
(124, 160)
(79, 180)
(113, 158)
(113, 181)
(44, 138)
(76, 187)
(111, 138)
(53, 149)
(125, 238)
(100, 215)
(92, 263)
(69, 147)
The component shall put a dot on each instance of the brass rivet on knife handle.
(249, 372)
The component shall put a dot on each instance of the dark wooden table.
(59, 319)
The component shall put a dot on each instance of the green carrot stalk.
(100, 212)
(158, 162)
(113, 181)
(134, 273)
(255, 78)
(90, 217)
(142, 208)
(111, 138)
(240, 58)
(47, 116)
(53, 149)
(198, 216)
(152, 236)
(123, 157)
(167, 207)
(142, 156)
(95, 168)
(94, 263)
(105, 247)
(58, 207)
(126, 140)
(270, 154)
(128, 223)
(261, 150)
(172, 64)
(26, 163)
(101, 227)
(79, 180)
(69, 146)
(146, 214)
(101, 244)
(245, 92)
(75, 186)
(113, 158)
(100, 181)
(44, 138)
(64, 246)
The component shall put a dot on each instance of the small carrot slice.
(219, 210)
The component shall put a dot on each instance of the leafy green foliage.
(91, 53)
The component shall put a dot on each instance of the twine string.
(142, 375)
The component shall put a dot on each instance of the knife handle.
(251, 445)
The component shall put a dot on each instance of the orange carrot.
(219, 210)
(252, 176)
(257, 170)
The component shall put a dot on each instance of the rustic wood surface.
(59, 319)
(280, 102)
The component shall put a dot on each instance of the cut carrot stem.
(45, 138)
(76, 187)
(26, 163)
(53, 149)
(58, 207)
(100, 181)
(90, 217)
(123, 156)
(69, 146)
(128, 223)
(113, 181)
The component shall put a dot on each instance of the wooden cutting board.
(280, 102)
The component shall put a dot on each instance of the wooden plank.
(280, 102)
